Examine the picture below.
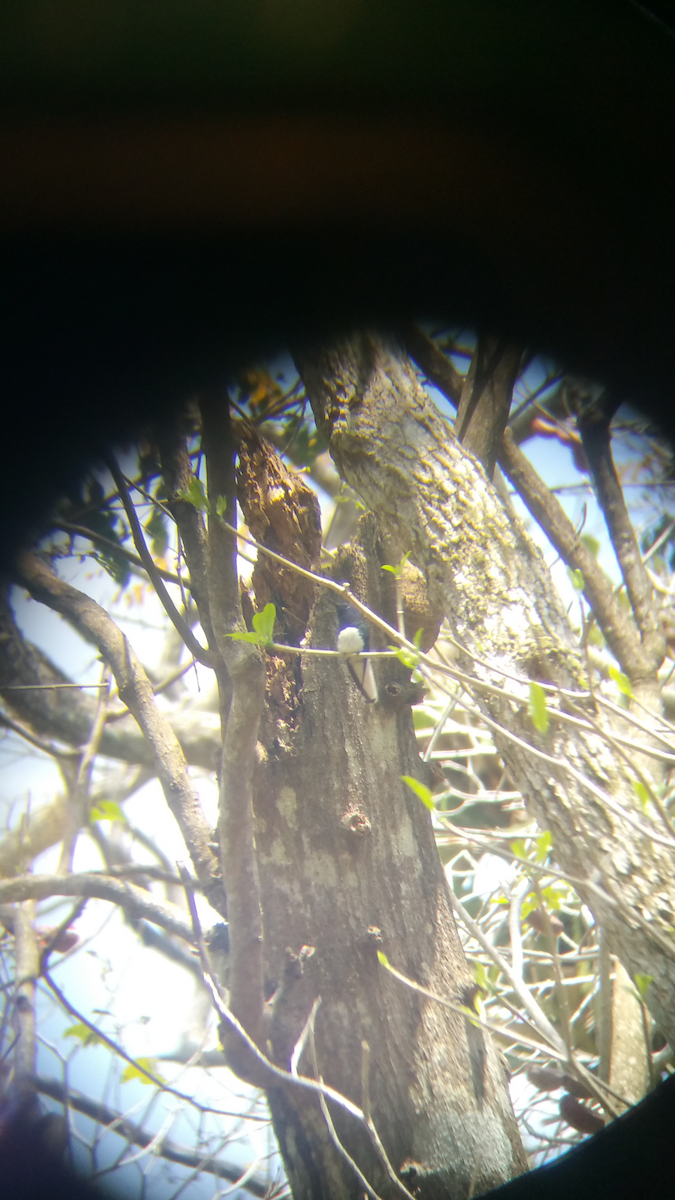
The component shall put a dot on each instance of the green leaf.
(591, 543)
(397, 571)
(263, 628)
(408, 657)
(555, 895)
(263, 623)
(156, 529)
(538, 708)
(577, 579)
(642, 983)
(542, 846)
(641, 793)
(480, 976)
(595, 637)
(622, 681)
(382, 958)
(83, 1034)
(146, 1064)
(107, 810)
(221, 506)
(423, 793)
(195, 495)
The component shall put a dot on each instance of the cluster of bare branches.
(563, 1011)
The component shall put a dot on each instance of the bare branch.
(177, 472)
(436, 365)
(370, 1124)
(246, 671)
(342, 1151)
(119, 1050)
(257, 1185)
(617, 627)
(98, 539)
(134, 900)
(135, 689)
(486, 398)
(594, 426)
(180, 624)
(27, 965)
(45, 826)
(65, 713)
(78, 793)
(37, 742)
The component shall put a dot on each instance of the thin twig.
(34, 740)
(135, 900)
(370, 1124)
(181, 626)
(78, 793)
(120, 1051)
(516, 898)
(333, 1132)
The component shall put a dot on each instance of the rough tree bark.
(347, 866)
(433, 498)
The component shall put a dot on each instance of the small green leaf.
(382, 958)
(263, 628)
(595, 637)
(83, 1034)
(146, 1064)
(622, 681)
(642, 983)
(423, 793)
(397, 571)
(577, 579)
(480, 976)
(529, 904)
(538, 708)
(107, 810)
(641, 793)
(591, 543)
(408, 657)
(263, 623)
(542, 846)
(221, 506)
(195, 495)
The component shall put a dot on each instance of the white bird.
(352, 642)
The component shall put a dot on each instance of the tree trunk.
(432, 498)
(348, 866)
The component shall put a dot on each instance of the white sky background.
(141, 983)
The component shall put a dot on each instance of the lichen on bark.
(396, 450)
